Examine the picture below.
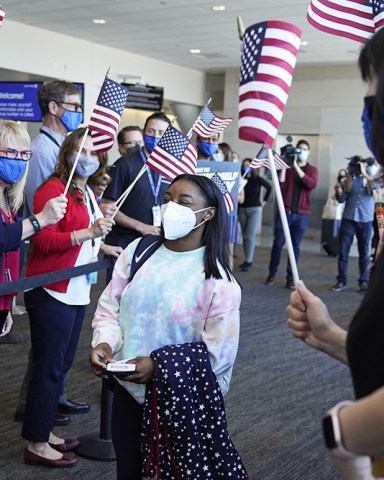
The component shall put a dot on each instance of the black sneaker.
(290, 285)
(246, 266)
(363, 287)
(270, 280)
(338, 287)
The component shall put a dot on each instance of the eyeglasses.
(78, 106)
(12, 154)
(132, 143)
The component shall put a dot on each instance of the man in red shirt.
(296, 185)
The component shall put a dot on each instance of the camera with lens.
(353, 167)
(288, 152)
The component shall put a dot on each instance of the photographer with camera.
(296, 185)
(357, 218)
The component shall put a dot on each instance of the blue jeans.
(298, 224)
(363, 232)
(249, 218)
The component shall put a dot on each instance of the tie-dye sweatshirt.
(169, 301)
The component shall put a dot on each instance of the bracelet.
(76, 239)
(35, 223)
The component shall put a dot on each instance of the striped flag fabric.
(262, 160)
(268, 58)
(173, 155)
(209, 124)
(229, 203)
(353, 19)
(106, 115)
(2, 14)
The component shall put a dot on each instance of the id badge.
(156, 215)
(92, 276)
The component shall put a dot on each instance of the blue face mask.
(86, 166)
(218, 157)
(150, 143)
(71, 120)
(245, 170)
(367, 121)
(11, 170)
(207, 149)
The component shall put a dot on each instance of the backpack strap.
(145, 248)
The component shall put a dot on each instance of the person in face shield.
(354, 431)
(183, 293)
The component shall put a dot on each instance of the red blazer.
(309, 182)
(52, 246)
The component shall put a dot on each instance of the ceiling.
(168, 29)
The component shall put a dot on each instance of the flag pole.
(189, 134)
(119, 202)
(283, 216)
(240, 27)
(76, 161)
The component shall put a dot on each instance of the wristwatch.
(332, 432)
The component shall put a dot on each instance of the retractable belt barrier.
(47, 278)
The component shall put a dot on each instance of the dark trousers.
(127, 418)
(3, 317)
(55, 331)
(363, 232)
(298, 224)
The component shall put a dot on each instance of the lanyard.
(50, 137)
(93, 216)
(155, 190)
(9, 215)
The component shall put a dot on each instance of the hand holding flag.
(268, 58)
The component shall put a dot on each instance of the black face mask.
(130, 150)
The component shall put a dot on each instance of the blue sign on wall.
(18, 101)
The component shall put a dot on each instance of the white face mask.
(178, 220)
(303, 156)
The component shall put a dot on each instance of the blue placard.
(229, 173)
(18, 101)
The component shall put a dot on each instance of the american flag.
(262, 160)
(209, 124)
(229, 203)
(354, 19)
(268, 58)
(2, 14)
(106, 115)
(174, 154)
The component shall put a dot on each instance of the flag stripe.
(261, 114)
(254, 107)
(254, 95)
